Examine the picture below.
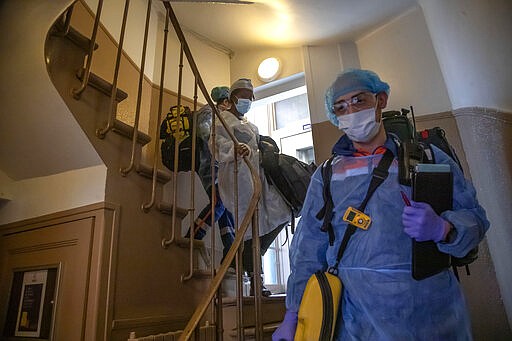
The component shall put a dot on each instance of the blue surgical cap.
(219, 93)
(352, 80)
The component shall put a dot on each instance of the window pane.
(269, 266)
(291, 110)
(306, 155)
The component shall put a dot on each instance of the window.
(285, 117)
(291, 110)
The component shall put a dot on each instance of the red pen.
(405, 198)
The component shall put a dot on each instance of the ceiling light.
(269, 69)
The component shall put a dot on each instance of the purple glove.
(422, 223)
(286, 331)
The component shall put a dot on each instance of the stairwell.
(140, 284)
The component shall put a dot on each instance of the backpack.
(397, 123)
(172, 132)
(287, 174)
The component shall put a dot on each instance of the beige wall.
(211, 63)
(68, 189)
(245, 64)
(78, 243)
(401, 52)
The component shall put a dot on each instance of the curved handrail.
(253, 203)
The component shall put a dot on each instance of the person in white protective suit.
(273, 213)
(380, 299)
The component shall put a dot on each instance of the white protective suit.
(273, 211)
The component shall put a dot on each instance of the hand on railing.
(242, 149)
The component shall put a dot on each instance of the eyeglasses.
(356, 102)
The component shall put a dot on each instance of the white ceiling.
(285, 23)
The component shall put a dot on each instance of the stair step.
(5, 196)
(127, 131)
(249, 300)
(75, 37)
(198, 245)
(166, 208)
(272, 312)
(250, 332)
(102, 85)
(163, 176)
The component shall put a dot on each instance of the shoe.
(264, 291)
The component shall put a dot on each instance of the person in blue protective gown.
(381, 300)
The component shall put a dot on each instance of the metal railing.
(251, 215)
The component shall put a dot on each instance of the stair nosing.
(102, 85)
(76, 37)
(126, 130)
(146, 171)
(166, 208)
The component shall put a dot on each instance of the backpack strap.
(326, 212)
(379, 174)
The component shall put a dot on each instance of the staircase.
(149, 290)
(161, 269)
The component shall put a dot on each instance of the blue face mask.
(243, 105)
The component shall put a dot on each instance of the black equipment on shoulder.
(178, 130)
(286, 173)
(415, 148)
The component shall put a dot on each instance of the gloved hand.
(286, 331)
(422, 223)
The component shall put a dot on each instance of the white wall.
(472, 39)
(29, 198)
(401, 52)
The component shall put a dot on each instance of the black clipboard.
(433, 184)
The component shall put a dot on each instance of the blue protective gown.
(381, 300)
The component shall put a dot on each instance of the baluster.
(257, 285)
(167, 242)
(147, 206)
(128, 169)
(100, 132)
(77, 93)
(192, 191)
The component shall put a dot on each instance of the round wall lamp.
(269, 69)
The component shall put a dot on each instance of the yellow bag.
(319, 307)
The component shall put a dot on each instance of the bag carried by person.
(321, 299)
(289, 175)
(398, 123)
(318, 307)
(179, 131)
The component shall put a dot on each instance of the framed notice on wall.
(30, 308)
(31, 304)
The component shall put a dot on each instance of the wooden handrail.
(253, 203)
